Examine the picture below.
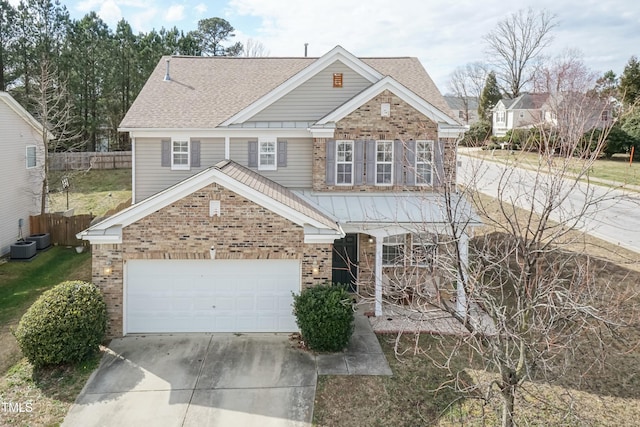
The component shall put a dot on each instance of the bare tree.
(467, 82)
(254, 48)
(53, 109)
(526, 298)
(515, 44)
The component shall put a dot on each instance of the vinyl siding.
(21, 187)
(316, 97)
(297, 173)
(152, 178)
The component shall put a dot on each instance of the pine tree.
(489, 97)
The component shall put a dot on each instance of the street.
(609, 214)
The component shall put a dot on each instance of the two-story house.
(21, 171)
(525, 111)
(464, 108)
(257, 177)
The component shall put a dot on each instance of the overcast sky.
(442, 34)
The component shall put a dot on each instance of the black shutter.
(330, 164)
(166, 153)
(195, 154)
(282, 154)
(253, 154)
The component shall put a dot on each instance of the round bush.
(325, 317)
(65, 324)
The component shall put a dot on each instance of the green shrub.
(65, 324)
(324, 315)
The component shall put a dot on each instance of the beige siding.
(316, 97)
(297, 173)
(21, 187)
(152, 178)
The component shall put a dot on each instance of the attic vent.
(337, 79)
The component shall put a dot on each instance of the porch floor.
(403, 319)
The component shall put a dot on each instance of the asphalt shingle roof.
(205, 91)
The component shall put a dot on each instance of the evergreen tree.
(489, 97)
(630, 82)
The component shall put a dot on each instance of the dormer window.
(267, 154)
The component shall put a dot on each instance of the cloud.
(174, 13)
(201, 9)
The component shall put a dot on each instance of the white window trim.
(342, 141)
(432, 142)
(180, 166)
(402, 243)
(384, 184)
(35, 156)
(501, 116)
(274, 166)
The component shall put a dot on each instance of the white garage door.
(211, 295)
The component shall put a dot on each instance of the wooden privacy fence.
(93, 160)
(63, 229)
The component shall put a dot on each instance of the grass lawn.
(615, 169)
(93, 192)
(49, 392)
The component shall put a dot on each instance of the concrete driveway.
(199, 380)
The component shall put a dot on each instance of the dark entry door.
(345, 261)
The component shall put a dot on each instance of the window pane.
(384, 153)
(344, 173)
(383, 175)
(423, 173)
(31, 157)
(267, 159)
(267, 153)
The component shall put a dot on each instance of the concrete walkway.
(363, 355)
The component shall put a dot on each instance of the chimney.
(305, 49)
(167, 77)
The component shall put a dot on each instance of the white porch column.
(378, 276)
(227, 148)
(461, 296)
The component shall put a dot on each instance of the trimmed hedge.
(324, 315)
(66, 324)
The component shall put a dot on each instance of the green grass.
(23, 282)
(615, 169)
(90, 192)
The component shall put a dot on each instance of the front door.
(345, 261)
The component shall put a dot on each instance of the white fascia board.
(388, 83)
(112, 235)
(319, 132)
(447, 131)
(217, 132)
(321, 238)
(338, 53)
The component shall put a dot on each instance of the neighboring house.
(21, 171)
(465, 109)
(257, 177)
(525, 111)
(571, 110)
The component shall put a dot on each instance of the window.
(393, 248)
(424, 162)
(500, 116)
(267, 154)
(337, 79)
(605, 115)
(384, 162)
(179, 154)
(344, 162)
(460, 114)
(423, 250)
(31, 156)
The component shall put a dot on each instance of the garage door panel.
(211, 295)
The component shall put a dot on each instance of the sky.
(442, 34)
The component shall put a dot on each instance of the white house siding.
(21, 187)
(316, 97)
(297, 173)
(151, 177)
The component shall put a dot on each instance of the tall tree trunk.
(508, 390)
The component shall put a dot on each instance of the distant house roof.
(457, 103)
(204, 92)
(526, 101)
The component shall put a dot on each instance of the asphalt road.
(610, 214)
